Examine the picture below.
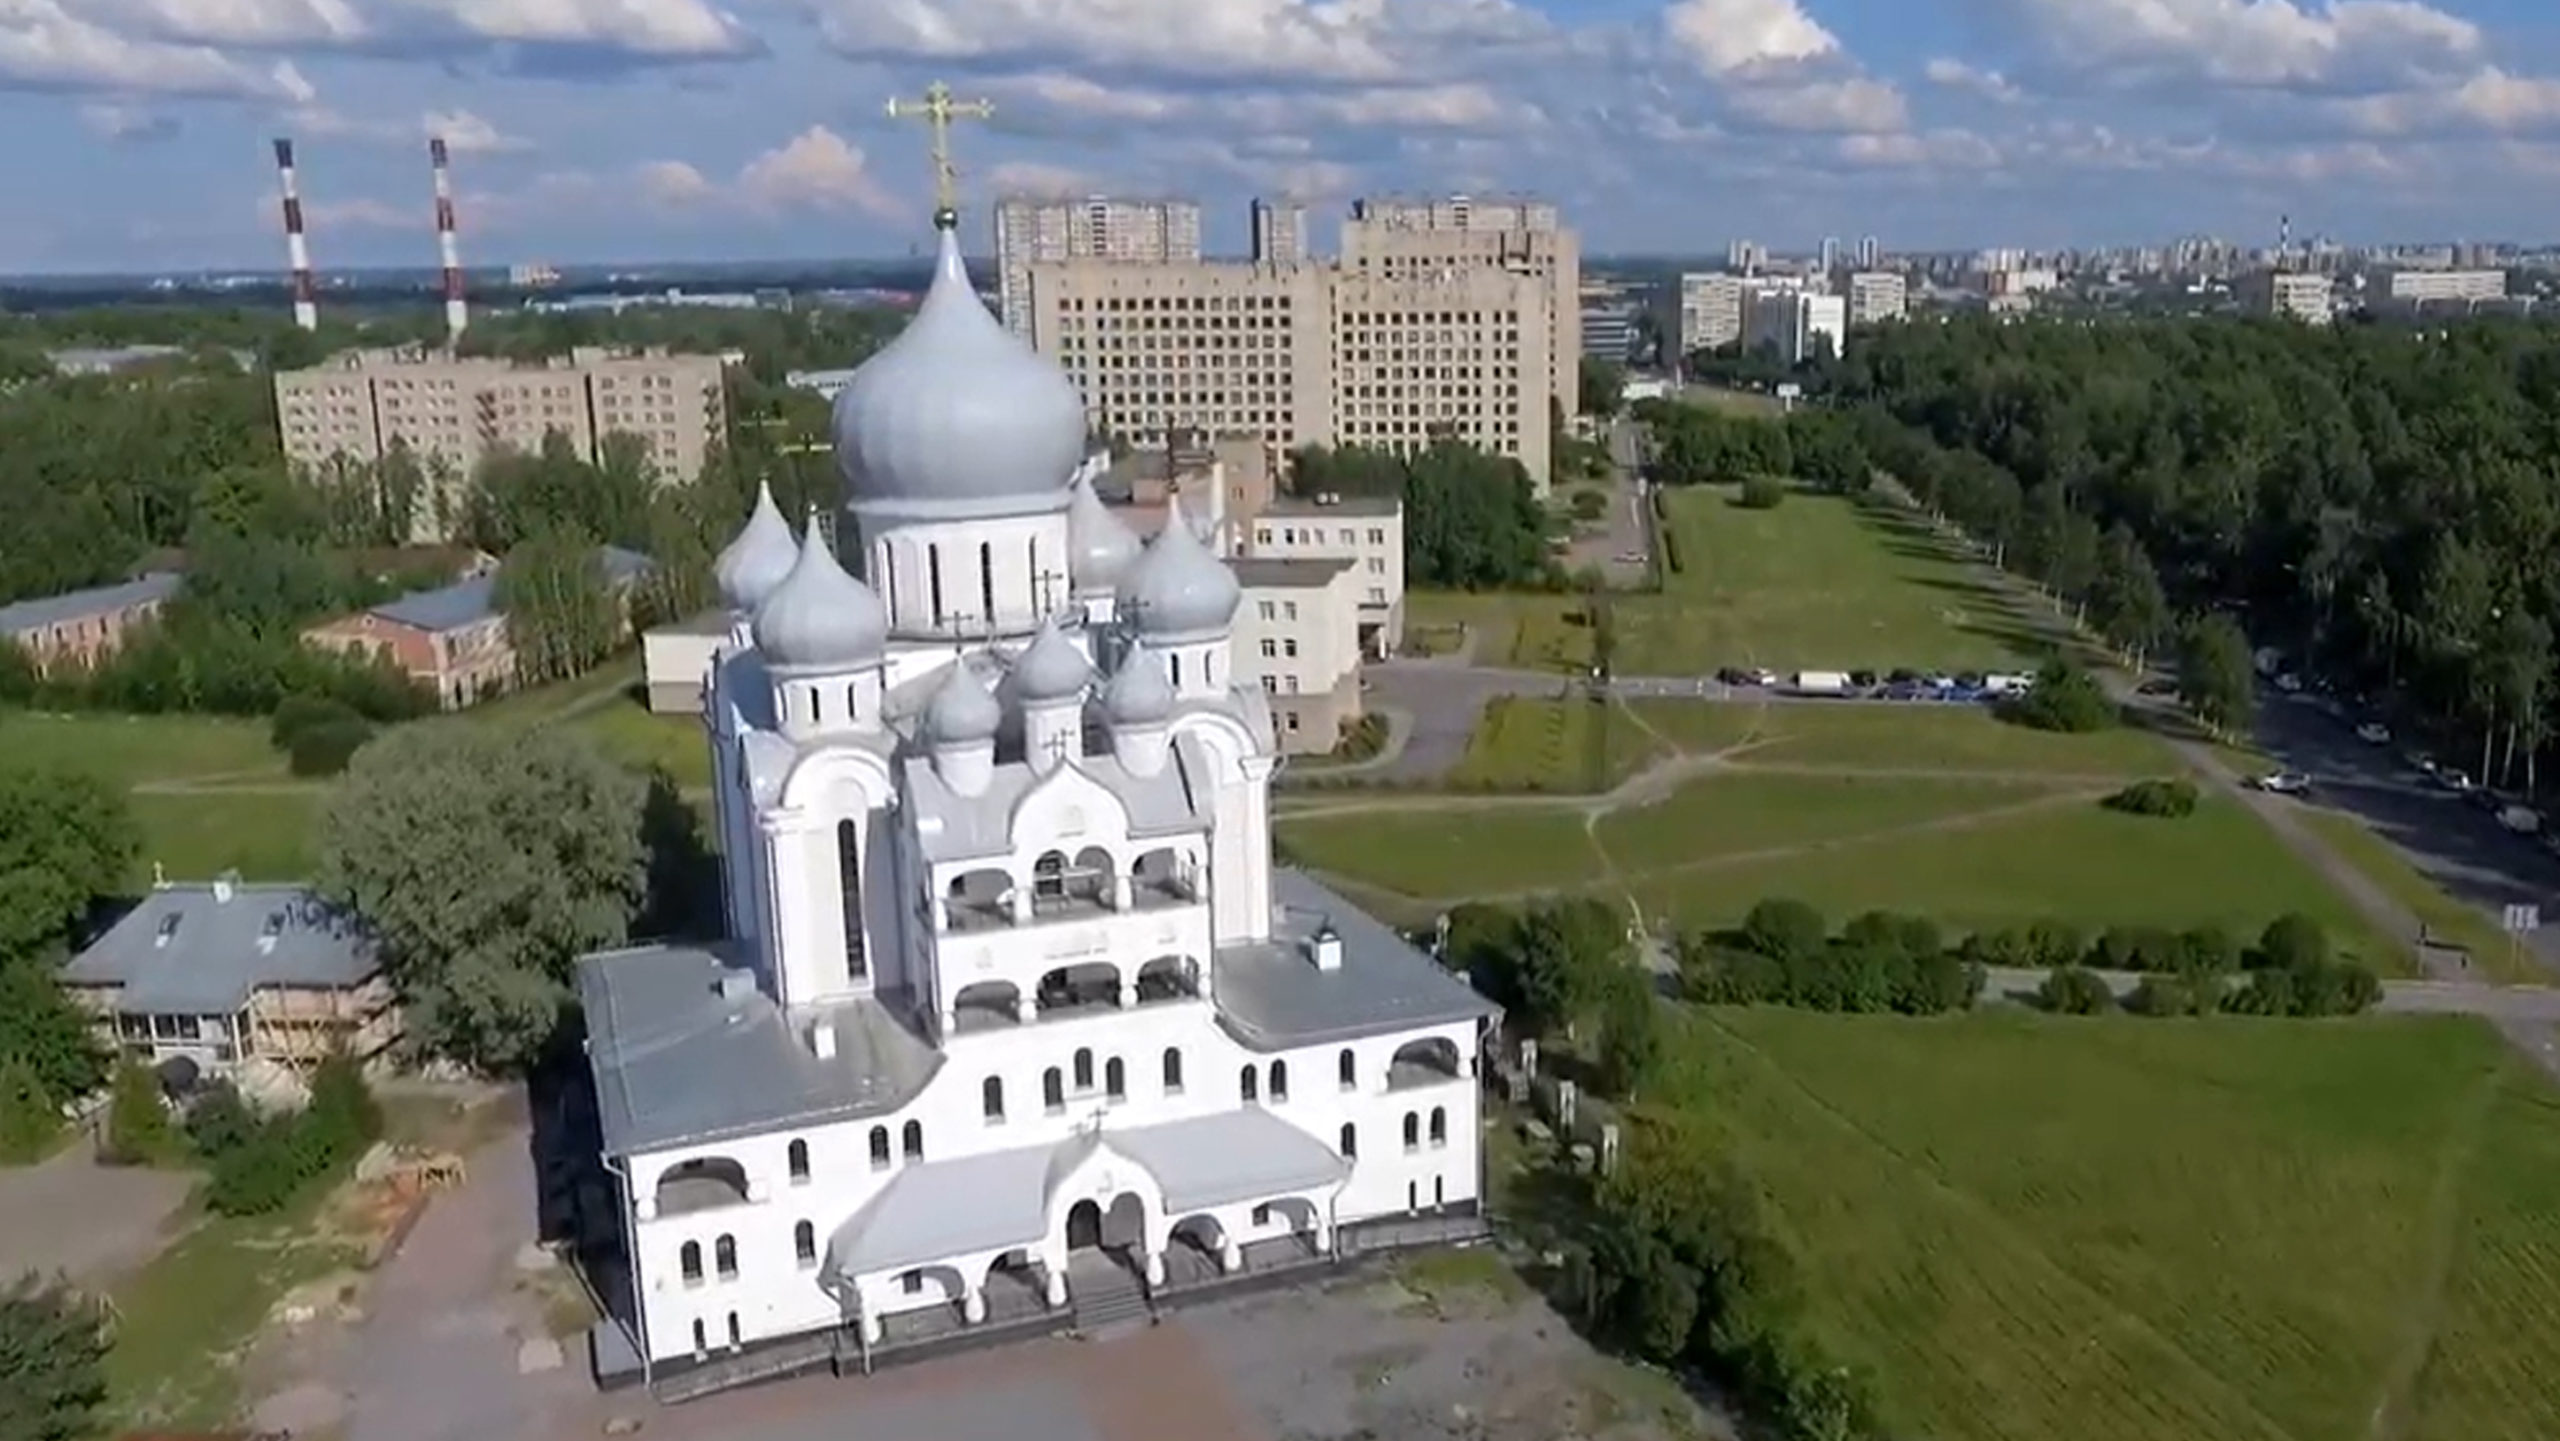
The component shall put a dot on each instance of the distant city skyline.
(678, 130)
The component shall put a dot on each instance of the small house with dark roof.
(227, 972)
(453, 639)
(84, 627)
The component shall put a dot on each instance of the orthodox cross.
(937, 110)
(1057, 745)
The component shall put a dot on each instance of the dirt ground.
(91, 1222)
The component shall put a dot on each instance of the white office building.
(1797, 324)
(1019, 1024)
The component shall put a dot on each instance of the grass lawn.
(627, 731)
(1524, 743)
(2076, 862)
(1900, 737)
(1452, 850)
(2448, 920)
(135, 749)
(265, 835)
(1739, 813)
(1748, 403)
(2119, 1230)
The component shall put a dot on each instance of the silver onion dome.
(820, 617)
(1139, 693)
(1051, 668)
(963, 711)
(751, 565)
(1178, 591)
(1100, 547)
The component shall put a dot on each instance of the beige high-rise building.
(2289, 295)
(1279, 232)
(1030, 231)
(452, 412)
(1306, 354)
(1417, 239)
(1876, 296)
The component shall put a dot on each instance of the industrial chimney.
(457, 314)
(306, 299)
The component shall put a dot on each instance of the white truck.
(1821, 682)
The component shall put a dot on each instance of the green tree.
(1630, 1033)
(562, 617)
(1603, 387)
(1784, 930)
(1569, 952)
(2214, 676)
(485, 862)
(139, 1132)
(2074, 991)
(45, 1035)
(65, 838)
(53, 1351)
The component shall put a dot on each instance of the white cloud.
(656, 29)
(1936, 150)
(1849, 106)
(126, 122)
(1046, 182)
(2278, 44)
(675, 184)
(1955, 74)
(239, 23)
(44, 46)
(467, 134)
(1050, 89)
(2491, 100)
(814, 170)
(1316, 39)
(1725, 37)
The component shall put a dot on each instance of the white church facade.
(1015, 1010)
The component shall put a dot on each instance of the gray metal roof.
(1000, 1200)
(189, 950)
(954, 827)
(677, 1062)
(1265, 572)
(1298, 507)
(78, 605)
(1271, 996)
(468, 602)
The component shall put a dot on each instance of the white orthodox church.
(1017, 1015)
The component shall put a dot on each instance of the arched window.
(804, 1244)
(1115, 1079)
(912, 1142)
(799, 1154)
(1279, 1080)
(1439, 1126)
(1084, 1070)
(1412, 1130)
(724, 1254)
(992, 1095)
(1053, 1090)
(933, 581)
(701, 1340)
(889, 577)
(690, 1259)
(1251, 1082)
(735, 1340)
(852, 707)
(1176, 658)
(849, 876)
(879, 1146)
(1342, 1069)
(1172, 1071)
(987, 581)
(1350, 1141)
(1049, 876)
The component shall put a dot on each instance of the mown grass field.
(1854, 735)
(2449, 920)
(1525, 743)
(2032, 1227)
(1819, 583)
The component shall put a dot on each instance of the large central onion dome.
(1178, 592)
(957, 417)
(820, 618)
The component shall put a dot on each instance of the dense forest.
(179, 463)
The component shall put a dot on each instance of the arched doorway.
(1084, 1226)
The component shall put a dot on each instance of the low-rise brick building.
(453, 639)
(84, 627)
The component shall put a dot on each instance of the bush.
(2170, 799)
(2311, 989)
(138, 1129)
(2290, 941)
(1783, 930)
(1881, 962)
(2135, 948)
(1589, 505)
(53, 1352)
(299, 714)
(2207, 951)
(275, 1161)
(2075, 991)
(2175, 995)
(2064, 698)
(29, 1120)
(220, 1121)
(324, 750)
(1762, 492)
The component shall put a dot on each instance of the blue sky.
(589, 130)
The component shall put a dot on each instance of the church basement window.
(1350, 1141)
(724, 1254)
(879, 1148)
(993, 1095)
(1172, 1071)
(1279, 1081)
(799, 1154)
(913, 1141)
(689, 1259)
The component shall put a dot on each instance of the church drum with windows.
(1015, 1002)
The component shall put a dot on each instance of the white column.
(1155, 1267)
(871, 1327)
(1121, 889)
(1026, 1007)
(973, 1306)
(1230, 1255)
(1053, 1288)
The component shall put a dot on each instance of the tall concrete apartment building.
(1410, 239)
(1305, 354)
(2289, 295)
(453, 411)
(1279, 232)
(1032, 231)
(1876, 296)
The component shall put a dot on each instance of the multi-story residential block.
(1306, 354)
(452, 412)
(1870, 253)
(1611, 323)
(1033, 231)
(1827, 259)
(1877, 295)
(2411, 286)
(1745, 257)
(1710, 311)
(1367, 532)
(1408, 239)
(453, 640)
(2289, 295)
(84, 627)
(1797, 324)
(1280, 232)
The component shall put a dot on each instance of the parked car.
(2523, 820)
(1863, 679)
(2374, 733)
(1735, 675)
(1764, 677)
(2453, 780)
(1822, 682)
(2288, 682)
(2283, 783)
(1902, 676)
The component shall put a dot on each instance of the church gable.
(1065, 806)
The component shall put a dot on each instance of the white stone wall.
(1023, 559)
(1299, 639)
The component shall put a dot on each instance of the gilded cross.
(937, 110)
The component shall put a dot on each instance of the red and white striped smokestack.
(306, 296)
(457, 314)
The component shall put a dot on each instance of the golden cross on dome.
(937, 110)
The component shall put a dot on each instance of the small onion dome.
(820, 618)
(755, 562)
(963, 711)
(1178, 591)
(1139, 693)
(1050, 668)
(958, 417)
(1100, 549)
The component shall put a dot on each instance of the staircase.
(1109, 1301)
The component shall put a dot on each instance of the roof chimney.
(736, 985)
(822, 1038)
(224, 885)
(1325, 948)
